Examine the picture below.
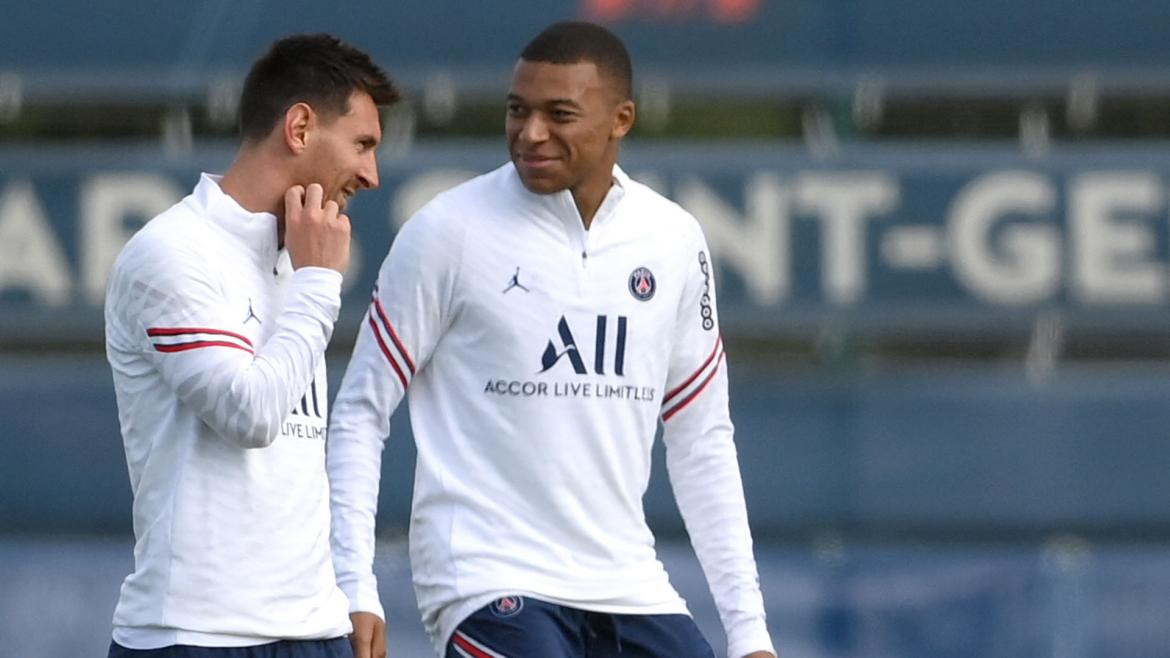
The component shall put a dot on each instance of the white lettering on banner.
(1018, 264)
(843, 202)
(912, 247)
(30, 257)
(1007, 237)
(416, 191)
(653, 181)
(356, 262)
(107, 200)
(1112, 239)
(756, 243)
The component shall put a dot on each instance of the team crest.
(507, 606)
(642, 284)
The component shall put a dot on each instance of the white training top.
(216, 347)
(539, 358)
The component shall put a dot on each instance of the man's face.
(341, 150)
(563, 125)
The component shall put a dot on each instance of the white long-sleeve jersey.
(540, 358)
(216, 347)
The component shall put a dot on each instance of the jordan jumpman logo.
(251, 314)
(515, 282)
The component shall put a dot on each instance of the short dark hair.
(569, 42)
(318, 69)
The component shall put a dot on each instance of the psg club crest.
(642, 284)
(507, 606)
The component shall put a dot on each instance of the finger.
(294, 199)
(380, 639)
(360, 649)
(331, 209)
(314, 194)
(361, 643)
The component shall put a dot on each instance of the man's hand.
(369, 635)
(315, 232)
(760, 654)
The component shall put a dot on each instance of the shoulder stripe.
(377, 303)
(182, 339)
(386, 352)
(694, 394)
(179, 331)
(682, 387)
(194, 345)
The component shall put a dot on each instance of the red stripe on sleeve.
(386, 353)
(680, 388)
(179, 331)
(393, 335)
(194, 345)
(690, 398)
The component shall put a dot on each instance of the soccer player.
(217, 316)
(545, 317)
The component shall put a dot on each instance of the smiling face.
(340, 150)
(564, 124)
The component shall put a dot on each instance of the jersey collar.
(561, 203)
(255, 230)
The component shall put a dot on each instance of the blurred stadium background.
(944, 262)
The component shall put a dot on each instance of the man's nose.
(369, 172)
(534, 130)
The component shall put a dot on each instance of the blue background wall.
(821, 34)
(1006, 506)
(914, 509)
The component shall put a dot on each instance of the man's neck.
(254, 181)
(254, 185)
(589, 201)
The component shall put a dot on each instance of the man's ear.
(623, 119)
(298, 121)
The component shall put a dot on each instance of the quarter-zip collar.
(256, 231)
(562, 205)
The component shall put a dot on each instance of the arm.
(402, 325)
(198, 345)
(703, 468)
(195, 337)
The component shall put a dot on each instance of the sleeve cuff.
(321, 287)
(749, 640)
(363, 597)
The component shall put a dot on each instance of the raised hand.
(316, 233)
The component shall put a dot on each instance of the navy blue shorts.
(524, 627)
(338, 647)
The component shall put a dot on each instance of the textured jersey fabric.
(540, 358)
(216, 347)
